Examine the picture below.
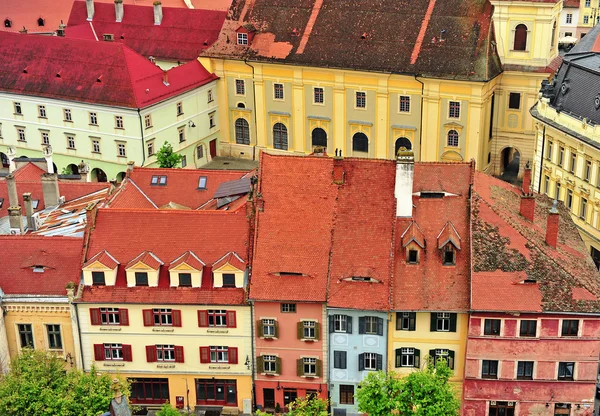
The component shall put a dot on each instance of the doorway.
(269, 398)
(213, 148)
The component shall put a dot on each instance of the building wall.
(591, 9)
(134, 135)
(353, 344)
(569, 27)
(189, 335)
(546, 350)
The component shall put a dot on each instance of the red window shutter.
(233, 355)
(178, 354)
(124, 317)
(95, 316)
(151, 353)
(202, 319)
(231, 319)
(176, 317)
(127, 353)
(98, 352)
(204, 355)
(148, 317)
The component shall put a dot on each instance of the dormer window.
(100, 270)
(141, 279)
(242, 38)
(38, 269)
(40, 22)
(412, 256)
(228, 279)
(98, 279)
(185, 279)
(7, 23)
(449, 255)
(361, 279)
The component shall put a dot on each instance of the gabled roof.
(507, 248)
(147, 258)
(188, 258)
(29, 173)
(414, 234)
(105, 73)
(448, 235)
(60, 258)
(104, 258)
(129, 195)
(356, 34)
(232, 259)
(181, 36)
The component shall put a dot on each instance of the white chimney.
(119, 10)
(89, 4)
(29, 211)
(47, 151)
(403, 191)
(11, 153)
(158, 13)
(14, 220)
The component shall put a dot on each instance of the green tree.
(37, 384)
(313, 406)
(168, 410)
(422, 393)
(166, 158)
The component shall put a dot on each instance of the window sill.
(122, 156)
(119, 128)
(44, 118)
(71, 148)
(489, 377)
(270, 374)
(68, 121)
(148, 127)
(97, 153)
(268, 338)
(22, 141)
(310, 376)
(93, 125)
(309, 340)
(179, 114)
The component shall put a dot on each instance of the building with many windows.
(569, 18)
(106, 107)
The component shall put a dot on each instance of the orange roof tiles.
(188, 258)
(129, 195)
(414, 234)
(147, 258)
(497, 291)
(232, 259)
(448, 235)
(104, 258)
(29, 173)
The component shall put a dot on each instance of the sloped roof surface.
(107, 73)
(360, 34)
(181, 36)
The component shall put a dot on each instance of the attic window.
(58, 74)
(35, 203)
(290, 274)
(99, 79)
(159, 180)
(529, 281)
(412, 256)
(202, 182)
(7, 23)
(361, 279)
(432, 195)
(38, 269)
(25, 69)
(108, 37)
(449, 255)
(242, 38)
(40, 22)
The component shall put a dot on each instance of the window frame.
(242, 39)
(54, 336)
(21, 136)
(110, 348)
(494, 328)
(42, 111)
(186, 276)
(229, 276)
(71, 142)
(309, 329)
(269, 361)
(309, 363)
(525, 370)
(218, 317)
(148, 121)
(18, 108)
(371, 358)
(26, 338)
(452, 138)
(514, 98)
(181, 134)
(93, 118)
(121, 150)
(45, 138)
(269, 325)
(404, 104)
(96, 146)
(569, 328)
(489, 369)
(242, 131)
(240, 87)
(319, 95)
(278, 91)
(179, 108)
(162, 317)
(280, 136)
(346, 392)
(139, 278)
(340, 323)
(288, 308)
(96, 278)
(360, 100)
(526, 332)
(454, 109)
(110, 314)
(562, 368)
(219, 354)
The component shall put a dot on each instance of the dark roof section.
(443, 39)
(231, 188)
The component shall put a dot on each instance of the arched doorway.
(319, 137)
(120, 177)
(98, 175)
(4, 160)
(402, 142)
(73, 169)
(510, 160)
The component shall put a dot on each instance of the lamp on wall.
(278, 386)
(247, 362)
(191, 124)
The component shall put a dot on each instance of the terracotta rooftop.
(106, 73)
(181, 36)
(510, 254)
(38, 265)
(444, 39)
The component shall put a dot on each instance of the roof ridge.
(142, 192)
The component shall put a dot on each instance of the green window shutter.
(300, 327)
(317, 330)
(451, 359)
(433, 323)
(361, 325)
(319, 368)
(260, 364)
(432, 356)
(453, 322)
(336, 359)
(361, 362)
(398, 357)
(260, 328)
(300, 367)
(331, 323)
(380, 326)
(412, 326)
(379, 362)
(417, 358)
(398, 321)
(348, 324)
(278, 365)
(344, 360)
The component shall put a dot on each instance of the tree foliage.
(422, 393)
(166, 158)
(168, 410)
(37, 384)
(313, 406)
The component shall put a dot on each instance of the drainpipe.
(542, 159)
(253, 360)
(79, 334)
(255, 119)
(142, 132)
(421, 127)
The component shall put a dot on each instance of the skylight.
(38, 269)
(160, 180)
(202, 182)
(35, 203)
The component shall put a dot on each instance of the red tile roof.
(414, 234)
(60, 257)
(181, 36)
(29, 173)
(232, 259)
(507, 247)
(107, 73)
(129, 195)
(429, 285)
(147, 258)
(27, 13)
(168, 234)
(498, 291)
(104, 258)
(449, 235)
(188, 258)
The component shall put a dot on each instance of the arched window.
(199, 152)
(241, 105)
(360, 143)
(402, 142)
(242, 131)
(280, 136)
(520, 38)
(319, 137)
(453, 138)
(40, 22)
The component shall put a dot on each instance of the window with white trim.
(240, 87)
(340, 323)
(118, 122)
(219, 354)
(319, 95)
(70, 142)
(268, 327)
(113, 352)
(165, 352)
(45, 138)
(162, 316)
(278, 91)
(110, 316)
(42, 111)
(21, 135)
(454, 109)
(309, 329)
(310, 366)
(95, 146)
(404, 104)
(370, 361)
(361, 99)
(242, 38)
(121, 149)
(269, 363)
(217, 317)
(93, 119)
(148, 121)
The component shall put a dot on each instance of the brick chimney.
(50, 189)
(405, 171)
(527, 200)
(527, 179)
(165, 78)
(89, 4)
(14, 219)
(158, 13)
(13, 196)
(552, 226)
(338, 173)
(29, 211)
(118, 10)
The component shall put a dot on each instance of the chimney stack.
(119, 10)
(13, 196)
(158, 14)
(89, 4)
(47, 151)
(338, 169)
(29, 211)
(527, 198)
(405, 171)
(165, 78)
(130, 167)
(50, 189)
(552, 226)
(14, 219)
(527, 179)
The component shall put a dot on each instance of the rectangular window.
(18, 110)
(211, 120)
(67, 114)
(228, 280)
(269, 363)
(217, 317)
(370, 361)
(583, 209)
(340, 323)
(406, 321)
(160, 180)
(570, 327)
(26, 335)
(21, 134)
(141, 279)
(183, 161)
(219, 354)
(95, 146)
(310, 366)
(54, 337)
(586, 20)
(557, 194)
(278, 91)
(588, 171)
(546, 184)
(268, 327)
(288, 307)
(525, 370)
(319, 95)
(573, 165)
(162, 317)
(407, 357)
(492, 327)
(215, 392)
(93, 119)
(42, 111)
(569, 19)
(528, 328)
(150, 148)
(588, 3)
(566, 371)
(165, 353)
(549, 150)
(185, 279)
(514, 100)
(181, 134)
(149, 390)
(454, 109)
(242, 38)
(502, 409)
(412, 257)
(202, 182)
(45, 138)
(361, 99)
(404, 104)
(340, 359)
(561, 156)
(98, 279)
(443, 321)
(209, 95)
(489, 369)
(118, 122)
(449, 255)
(309, 329)
(240, 87)
(113, 352)
(180, 108)
(110, 316)
(71, 142)
(371, 325)
(148, 121)
(346, 394)
(121, 149)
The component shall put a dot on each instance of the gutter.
(255, 110)
(142, 132)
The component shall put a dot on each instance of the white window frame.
(96, 146)
(360, 96)
(18, 108)
(42, 111)
(115, 352)
(278, 91)
(319, 91)
(569, 18)
(121, 150)
(340, 323)
(310, 329)
(209, 96)
(179, 107)
(408, 357)
(452, 111)
(21, 137)
(219, 354)
(370, 358)
(269, 364)
(269, 327)
(310, 363)
(240, 87)
(242, 39)
(148, 121)
(45, 137)
(67, 115)
(165, 352)
(444, 318)
(400, 103)
(93, 118)
(71, 142)
(119, 122)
